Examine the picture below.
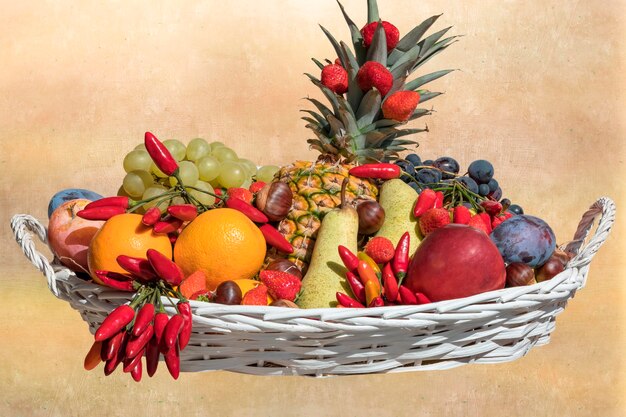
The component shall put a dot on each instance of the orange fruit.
(123, 234)
(224, 244)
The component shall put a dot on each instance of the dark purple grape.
(469, 183)
(467, 204)
(516, 209)
(447, 164)
(481, 171)
(416, 186)
(407, 168)
(493, 185)
(428, 162)
(496, 195)
(505, 204)
(414, 159)
(525, 239)
(483, 189)
(428, 176)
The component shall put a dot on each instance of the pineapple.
(352, 128)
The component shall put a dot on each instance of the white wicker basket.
(497, 326)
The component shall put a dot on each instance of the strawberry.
(380, 249)
(240, 193)
(401, 105)
(374, 75)
(338, 62)
(256, 186)
(500, 218)
(335, 77)
(461, 215)
(432, 219)
(477, 222)
(391, 33)
(281, 285)
(255, 297)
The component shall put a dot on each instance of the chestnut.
(552, 267)
(228, 292)
(371, 216)
(275, 200)
(519, 274)
(284, 303)
(285, 265)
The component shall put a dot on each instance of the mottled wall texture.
(539, 91)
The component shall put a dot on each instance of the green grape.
(208, 168)
(187, 172)
(231, 174)
(216, 144)
(247, 183)
(197, 148)
(156, 171)
(224, 154)
(133, 184)
(204, 198)
(137, 160)
(176, 148)
(154, 191)
(140, 147)
(177, 201)
(266, 173)
(250, 166)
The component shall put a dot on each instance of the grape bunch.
(477, 183)
(204, 167)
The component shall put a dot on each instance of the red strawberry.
(240, 193)
(434, 218)
(500, 218)
(380, 249)
(256, 186)
(255, 297)
(335, 77)
(281, 285)
(401, 105)
(461, 215)
(391, 33)
(374, 74)
(477, 222)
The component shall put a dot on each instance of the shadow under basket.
(498, 326)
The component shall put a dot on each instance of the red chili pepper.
(421, 298)
(171, 332)
(162, 157)
(461, 215)
(167, 226)
(115, 322)
(372, 290)
(250, 211)
(493, 208)
(185, 333)
(165, 268)
(151, 216)
(172, 360)
(376, 302)
(406, 296)
(350, 260)
(152, 356)
(400, 261)
(438, 199)
(111, 346)
(130, 361)
(139, 267)
(160, 321)
(275, 239)
(115, 201)
(346, 301)
(357, 287)
(100, 213)
(136, 372)
(390, 283)
(218, 192)
(381, 171)
(113, 283)
(93, 357)
(425, 201)
(145, 315)
(184, 212)
(487, 220)
(112, 363)
(137, 343)
(172, 237)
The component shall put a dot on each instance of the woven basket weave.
(497, 326)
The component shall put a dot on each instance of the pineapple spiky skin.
(316, 188)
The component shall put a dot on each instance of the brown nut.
(275, 200)
(285, 265)
(284, 303)
(563, 256)
(552, 267)
(371, 217)
(228, 292)
(519, 274)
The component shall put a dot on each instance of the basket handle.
(24, 226)
(605, 207)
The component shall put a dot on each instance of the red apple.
(69, 235)
(456, 261)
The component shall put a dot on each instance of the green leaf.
(369, 108)
(410, 56)
(336, 127)
(338, 51)
(378, 49)
(436, 49)
(427, 95)
(357, 38)
(420, 113)
(428, 42)
(348, 120)
(320, 119)
(424, 79)
(372, 11)
(321, 107)
(318, 63)
(331, 96)
(355, 94)
(409, 40)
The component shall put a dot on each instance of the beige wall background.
(539, 92)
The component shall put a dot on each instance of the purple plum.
(526, 239)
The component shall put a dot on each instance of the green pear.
(326, 274)
(397, 199)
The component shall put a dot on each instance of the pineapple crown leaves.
(353, 125)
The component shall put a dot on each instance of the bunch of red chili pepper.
(373, 287)
(142, 327)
